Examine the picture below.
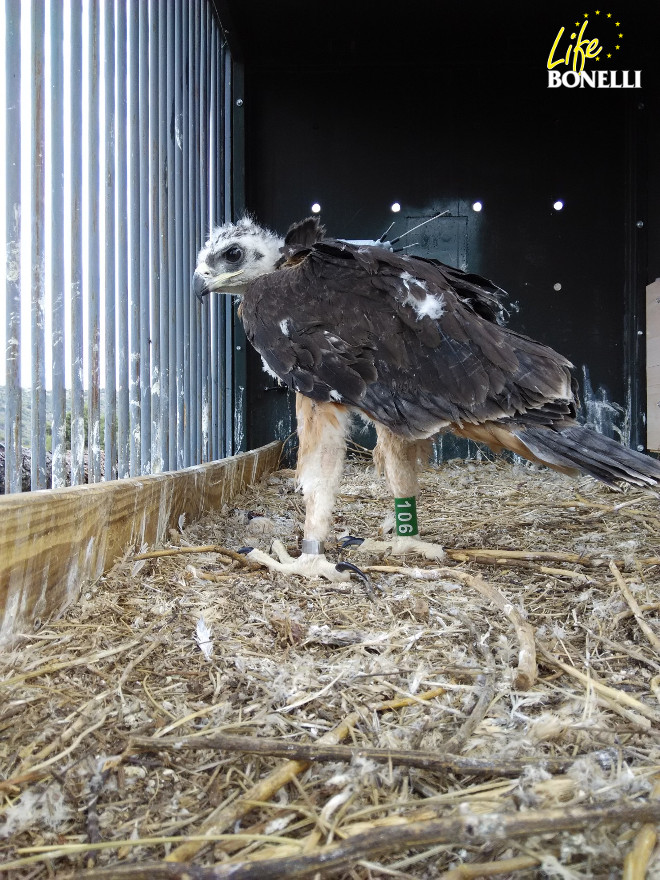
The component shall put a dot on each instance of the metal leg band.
(312, 546)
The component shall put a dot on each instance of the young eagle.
(413, 345)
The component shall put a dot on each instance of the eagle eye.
(233, 254)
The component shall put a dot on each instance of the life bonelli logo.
(582, 53)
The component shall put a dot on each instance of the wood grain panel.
(54, 542)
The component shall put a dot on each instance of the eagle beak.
(204, 283)
(199, 286)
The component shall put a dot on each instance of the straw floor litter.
(497, 714)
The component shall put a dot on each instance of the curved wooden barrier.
(54, 542)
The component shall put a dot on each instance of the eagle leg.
(398, 459)
(322, 429)
(322, 448)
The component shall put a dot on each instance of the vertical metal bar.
(172, 226)
(142, 84)
(77, 361)
(165, 14)
(203, 129)
(184, 255)
(93, 294)
(13, 451)
(220, 214)
(213, 305)
(193, 183)
(153, 229)
(206, 115)
(121, 118)
(214, 48)
(238, 203)
(134, 234)
(180, 32)
(228, 336)
(58, 315)
(110, 286)
(38, 246)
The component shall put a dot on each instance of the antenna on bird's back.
(423, 223)
(382, 238)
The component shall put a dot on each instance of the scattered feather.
(204, 638)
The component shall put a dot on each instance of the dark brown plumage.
(418, 346)
(414, 345)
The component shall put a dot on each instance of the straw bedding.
(497, 714)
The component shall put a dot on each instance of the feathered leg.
(322, 434)
(322, 431)
(398, 460)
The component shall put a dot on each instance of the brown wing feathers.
(418, 346)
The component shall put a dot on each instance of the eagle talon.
(364, 577)
(350, 541)
(246, 550)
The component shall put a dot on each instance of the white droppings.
(607, 417)
(238, 417)
(13, 251)
(284, 326)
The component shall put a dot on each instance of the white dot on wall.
(316, 208)
(396, 207)
(477, 206)
(557, 286)
(558, 205)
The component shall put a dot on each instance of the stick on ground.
(464, 830)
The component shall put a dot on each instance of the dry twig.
(490, 869)
(636, 861)
(618, 699)
(634, 607)
(319, 752)
(206, 548)
(457, 830)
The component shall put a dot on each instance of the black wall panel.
(442, 105)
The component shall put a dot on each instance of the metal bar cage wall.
(118, 139)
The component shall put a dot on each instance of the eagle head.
(233, 256)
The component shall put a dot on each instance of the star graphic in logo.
(605, 34)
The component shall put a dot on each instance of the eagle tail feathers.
(581, 448)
